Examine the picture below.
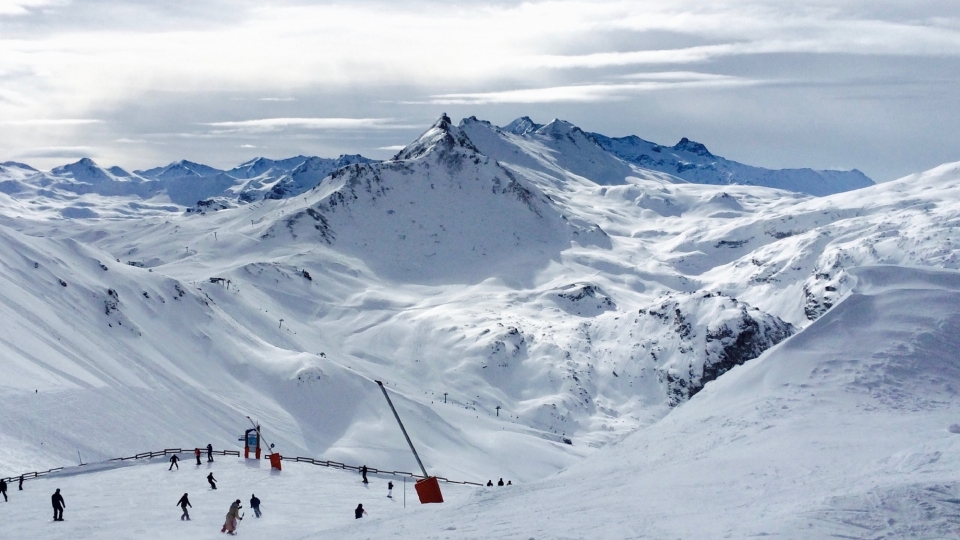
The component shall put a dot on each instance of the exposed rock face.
(583, 299)
(699, 337)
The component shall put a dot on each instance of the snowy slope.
(846, 430)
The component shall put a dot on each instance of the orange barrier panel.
(428, 490)
(275, 461)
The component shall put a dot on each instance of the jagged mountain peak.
(179, 169)
(442, 136)
(521, 126)
(686, 145)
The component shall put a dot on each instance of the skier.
(255, 504)
(212, 481)
(3, 489)
(209, 453)
(173, 462)
(184, 502)
(197, 452)
(363, 471)
(359, 511)
(509, 482)
(21, 482)
(500, 483)
(389, 490)
(58, 505)
(489, 483)
(230, 524)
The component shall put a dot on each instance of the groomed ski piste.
(643, 357)
(130, 500)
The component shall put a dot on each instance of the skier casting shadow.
(58, 505)
(212, 481)
(184, 502)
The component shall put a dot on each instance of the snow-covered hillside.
(847, 430)
(528, 297)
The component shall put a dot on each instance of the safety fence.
(172, 451)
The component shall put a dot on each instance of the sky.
(842, 84)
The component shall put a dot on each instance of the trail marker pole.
(498, 411)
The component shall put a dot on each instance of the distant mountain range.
(556, 146)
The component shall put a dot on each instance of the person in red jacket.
(197, 452)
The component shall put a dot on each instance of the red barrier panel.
(428, 490)
(275, 461)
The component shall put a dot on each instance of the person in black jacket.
(173, 462)
(212, 481)
(363, 471)
(58, 505)
(500, 483)
(3, 489)
(21, 483)
(359, 511)
(255, 504)
(184, 502)
(209, 453)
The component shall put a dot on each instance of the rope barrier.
(170, 451)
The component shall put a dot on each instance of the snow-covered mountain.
(529, 298)
(693, 162)
(184, 183)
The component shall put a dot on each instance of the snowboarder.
(359, 511)
(197, 452)
(500, 483)
(209, 453)
(3, 489)
(489, 483)
(255, 504)
(363, 471)
(173, 462)
(58, 505)
(509, 482)
(389, 490)
(21, 482)
(212, 481)
(184, 502)
(230, 524)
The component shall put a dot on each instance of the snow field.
(138, 501)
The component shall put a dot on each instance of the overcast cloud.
(838, 84)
